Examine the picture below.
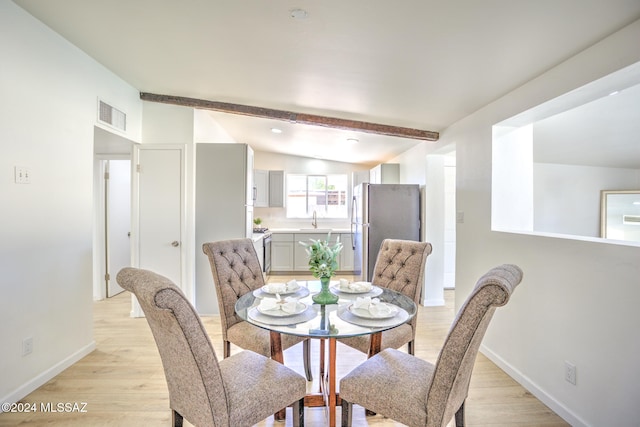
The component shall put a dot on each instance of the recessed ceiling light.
(299, 14)
(352, 140)
(276, 130)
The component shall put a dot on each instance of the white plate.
(348, 290)
(288, 289)
(366, 314)
(300, 308)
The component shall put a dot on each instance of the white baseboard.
(557, 407)
(47, 375)
(433, 302)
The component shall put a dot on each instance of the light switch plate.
(22, 175)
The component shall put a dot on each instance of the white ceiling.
(417, 63)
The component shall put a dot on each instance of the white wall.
(567, 197)
(578, 300)
(47, 117)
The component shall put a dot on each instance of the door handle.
(175, 243)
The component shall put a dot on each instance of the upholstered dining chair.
(236, 271)
(399, 266)
(417, 392)
(238, 391)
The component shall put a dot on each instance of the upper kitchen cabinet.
(385, 173)
(276, 189)
(269, 188)
(261, 183)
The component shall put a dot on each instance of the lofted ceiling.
(420, 64)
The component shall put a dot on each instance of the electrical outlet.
(570, 372)
(27, 346)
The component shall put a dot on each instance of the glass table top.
(341, 320)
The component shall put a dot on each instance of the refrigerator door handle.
(353, 221)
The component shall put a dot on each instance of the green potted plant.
(323, 263)
(256, 222)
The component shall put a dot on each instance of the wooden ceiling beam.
(288, 116)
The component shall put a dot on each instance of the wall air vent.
(111, 116)
(631, 219)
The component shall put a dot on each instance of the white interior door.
(159, 213)
(118, 221)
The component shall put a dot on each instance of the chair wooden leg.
(306, 353)
(298, 413)
(226, 349)
(460, 416)
(347, 409)
(411, 348)
(176, 419)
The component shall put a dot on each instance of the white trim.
(556, 406)
(433, 302)
(47, 375)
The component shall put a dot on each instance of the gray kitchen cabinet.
(276, 189)
(282, 247)
(301, 260)
(261, 183)
(288, 255)
(346, 256)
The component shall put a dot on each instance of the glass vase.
(325, 296)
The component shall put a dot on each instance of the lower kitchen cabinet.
(282, 247)
(288, 255)
(347, 254)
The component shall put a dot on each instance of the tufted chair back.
(400, 266)
(236, 271)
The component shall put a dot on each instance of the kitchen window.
(324, 194)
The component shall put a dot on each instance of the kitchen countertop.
(310, 230)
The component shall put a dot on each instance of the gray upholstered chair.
(415, 392)
(236, 271)
(238, 391)
(399, 266)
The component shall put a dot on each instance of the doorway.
(117, 201)
(112, 211)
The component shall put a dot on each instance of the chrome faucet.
(315, 220)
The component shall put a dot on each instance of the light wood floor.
(123, 384)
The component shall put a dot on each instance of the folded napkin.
(276, 288)
(365, 302)
(355, 286)
(292, 285)
(288, 305)
(374, 306)
(381, 310)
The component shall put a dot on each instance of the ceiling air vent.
(112, 116)
(631, 219)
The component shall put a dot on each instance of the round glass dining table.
(349, 317)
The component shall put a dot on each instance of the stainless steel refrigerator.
(378, 212)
